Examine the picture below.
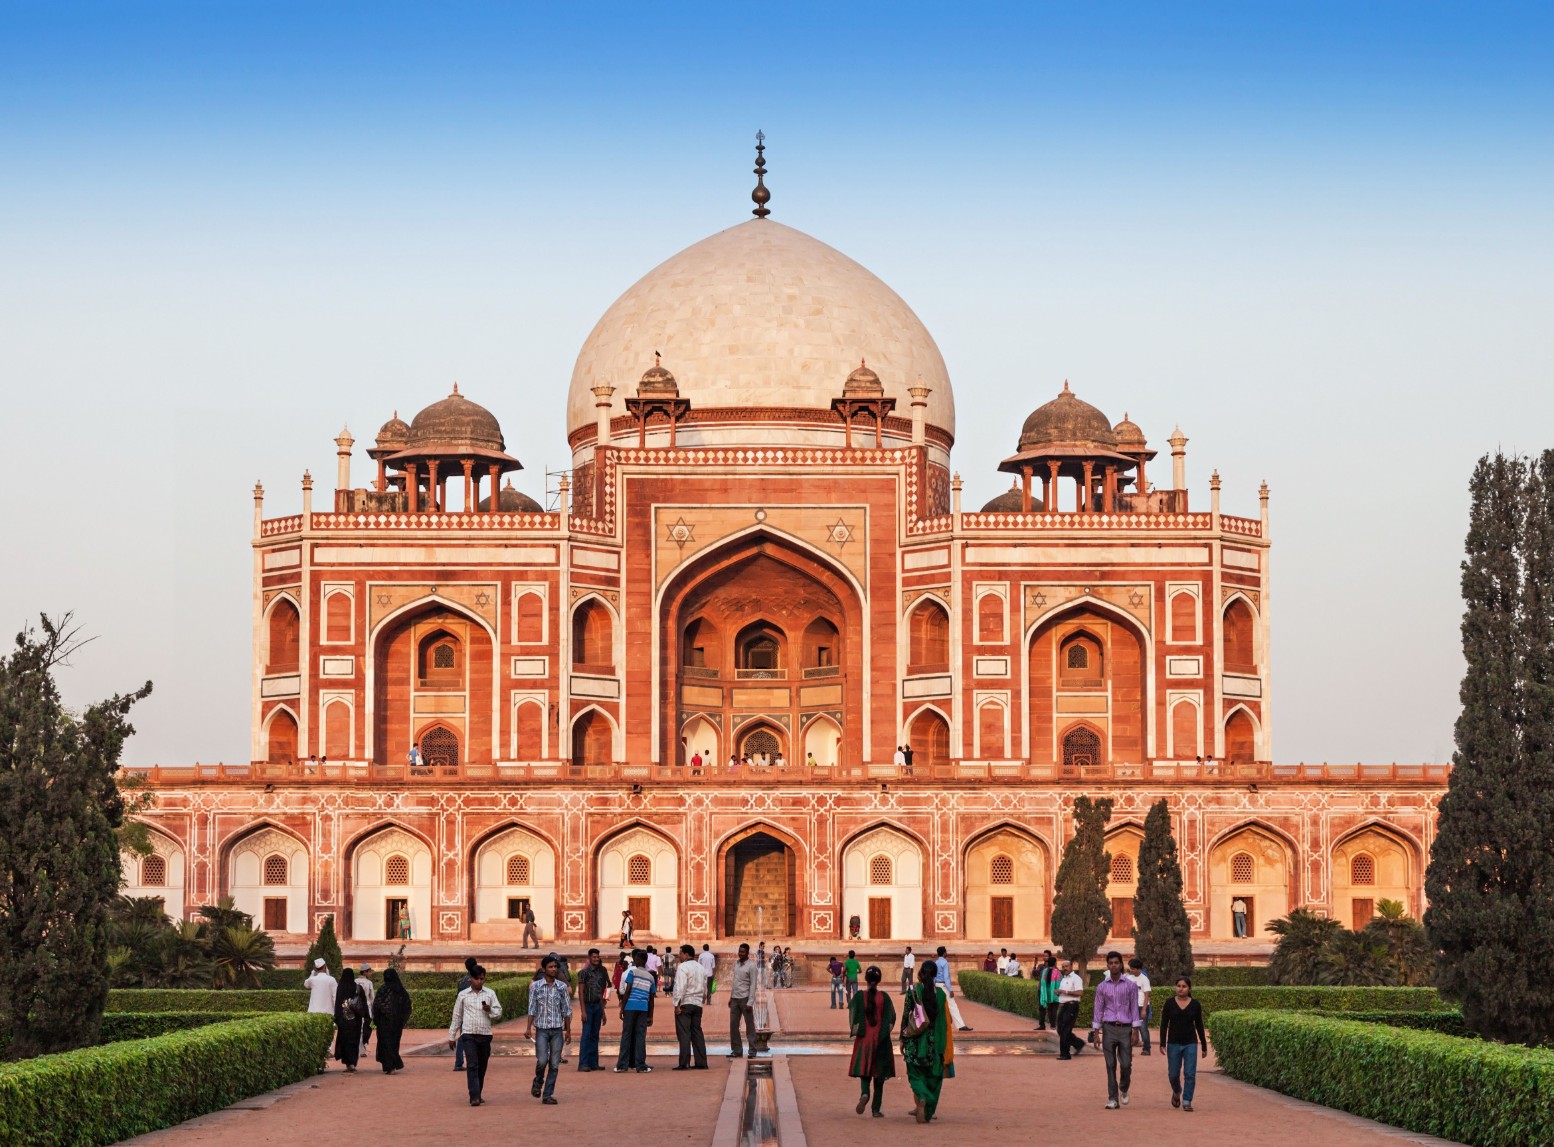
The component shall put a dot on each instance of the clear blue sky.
(1317, 236)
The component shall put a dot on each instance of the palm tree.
(240, 954)
(1407, 946)
(1357, 960)
(225, 914)
(1303, 937)
(140, 910)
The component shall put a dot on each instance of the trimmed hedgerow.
(204, 1000)
(1020, 996)
(100, 1095)
(147, 1025)
(433, 1007)
(290, 979)
(1447, 1023)
(1209, 976)
(1471, 1091)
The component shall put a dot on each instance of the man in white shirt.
(690, 991)
(900, 760)
(654, 962)
(1003, 961)
(709, 961)
(1071, 988)
(1140, 977)
(323, 987)
(1012, 966)
(908, 970)
(474, 1011)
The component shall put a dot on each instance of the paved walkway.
(1009, 1088)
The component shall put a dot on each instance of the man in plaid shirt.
(550, 1011)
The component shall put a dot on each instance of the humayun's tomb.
(760, 551)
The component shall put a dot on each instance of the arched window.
(929, 736)
(1081, 749)
(990, 730)
(1001, 870)
(1240, 655)
(396, 869)
(1079, 662)
(990, 618)
(1243, 869)
(337, 618)
(592, 741)
(822, 645)
(275, 869)
(759, 650)
(440, 748)
(337, 730)
(518, 869)
(1362, 869)
(762, 743)
(285, 637)
(1122, 868)
(881, 870)
(593, 641)
(441, 661)
(153, 871)
(531, 619)
(1240, 738)
(639, 870)
(928, 638)
(1184, 729)
(1184, 617)
(281, 740)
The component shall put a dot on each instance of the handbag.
(914, 1020)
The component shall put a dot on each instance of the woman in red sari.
(874, 1056)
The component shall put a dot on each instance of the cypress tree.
(59, 851)
(1162, 935)
(1491, 875)
(1081, 913)
(327, 946)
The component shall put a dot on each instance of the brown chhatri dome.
(453, 424)
(863, 383)
(658, 382)
(1067, 420)
(393, 434)
(511, 500)
(1129, 436)
(1012, 501)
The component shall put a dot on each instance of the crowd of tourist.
(687, 979)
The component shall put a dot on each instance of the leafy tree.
(328, 947)
(1356, 960)
(1407, 946)
(59, 851)
(1491, 875)
(225, 914)
(1162, 934)
(1303, 940)
(1081, 913)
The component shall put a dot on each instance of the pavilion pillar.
(495, 495)
(434, 491)
(412, 487)
(1050, 490)
(1087, 488)
(1025, 489)
(469, 483)
(1110, 490)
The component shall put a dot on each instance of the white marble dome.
(760, 315)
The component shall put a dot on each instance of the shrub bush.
(1020, 996)
(147, 1025)
(1447, 1023)
(1470, 1091)
(1230, 976)
(205, 1000)
(100, 1095)
(433, 1007)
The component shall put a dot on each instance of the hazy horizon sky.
(1317, 236)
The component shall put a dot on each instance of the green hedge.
(147, 1025)
(205, 1000)
(433, 1007)
(100, 1095)
(290, 979)
(1229, 976)
(1447, 1023)
(1470, 1091)
(1020, 996)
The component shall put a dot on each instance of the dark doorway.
(516, 907)
(758, 887)
(641, 908)
(1122, 917)
(1364, 913)
(275, 914)
(1003, 917)
(879, 917)
(391, 910)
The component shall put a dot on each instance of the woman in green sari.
(925, 1041)
(873, 1021)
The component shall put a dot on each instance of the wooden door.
(275, 914)
(641, 914)
(1003, 917)
(391, 917)
(1364, 913)
(1122, 916)
(879, 917)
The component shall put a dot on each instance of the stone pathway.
(1008, 1089)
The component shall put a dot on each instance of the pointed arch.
(594, 737)
(1136, 629)
(1006, 875)
(371, 904)
(655, 904)
(822, 742)
(891, 904)
(595, 625)
(282, 746)
(174, 858)
(1272, 890)
(492, 892)
(241, 873)
(928, 733)
(283, 634)
(759, 861)
(928, 636)
(1239, 628)
(1243, 736)
(1397, 871)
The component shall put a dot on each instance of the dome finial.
(1065, 386)
(455, 390)
(761, 196)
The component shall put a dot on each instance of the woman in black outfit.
(350, 1010)
(1182, 1034)
(391, 1011)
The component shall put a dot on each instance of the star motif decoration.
(839, 533)
(482, 598)
(681, 532)
(1038, 599)
(1136, 598)
(384, 599)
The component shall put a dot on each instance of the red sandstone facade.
(788, 581)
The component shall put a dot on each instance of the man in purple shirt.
(1115, 1027)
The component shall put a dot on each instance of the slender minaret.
(1178, 442)
(343, 446)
